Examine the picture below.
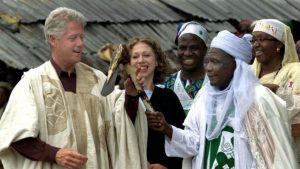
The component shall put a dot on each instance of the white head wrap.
(281, 32)
(237, 47)
(194, 28)
(229, 106)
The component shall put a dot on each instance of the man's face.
(219, 67)
(191, 51)
(67, 49)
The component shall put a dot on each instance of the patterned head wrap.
(281, 32)
(193, 28)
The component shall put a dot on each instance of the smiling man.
(56, 117)
(236, 122)
(192, 39)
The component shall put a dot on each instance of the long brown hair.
(163, 68)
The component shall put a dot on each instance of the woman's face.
(144, 59)
(191, 51)
(265, 47)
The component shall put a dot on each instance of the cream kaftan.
(94, 125)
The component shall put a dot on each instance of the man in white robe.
(56, 117)
(235, 122)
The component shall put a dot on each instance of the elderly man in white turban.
(192, 41)
(236, 122)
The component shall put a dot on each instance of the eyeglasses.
(261, 40)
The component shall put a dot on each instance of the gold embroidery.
(261, 143)
(90, 104)
(83, 110)
(268, 27)
(55, 110)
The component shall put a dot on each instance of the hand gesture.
(135, 82)
(272, 87)
(70, 159)
(129, 87)
(140, 77)
(156, 166)
(157, 121)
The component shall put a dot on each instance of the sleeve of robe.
(269, 131)
(126, 141)
(292, 104)
(15, 124)
(185, 143)
(36, 149)
(294, 78)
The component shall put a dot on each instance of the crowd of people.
(234, 103)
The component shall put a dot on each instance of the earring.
(278, 50)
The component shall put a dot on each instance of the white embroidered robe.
(96, 126)
(265, 141)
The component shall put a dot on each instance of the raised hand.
(129, 87)
(140, 77)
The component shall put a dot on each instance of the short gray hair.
(57, 20)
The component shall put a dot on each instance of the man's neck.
(64, 67)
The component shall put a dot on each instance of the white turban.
(273, 27)
(194, 28)
(235, 46)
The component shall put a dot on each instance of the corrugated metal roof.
(294, 3)
(94, 10)
(219, 10)
(27, 48)
(254, 9)
(14, 53)
(115, 21)
(200, 8)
